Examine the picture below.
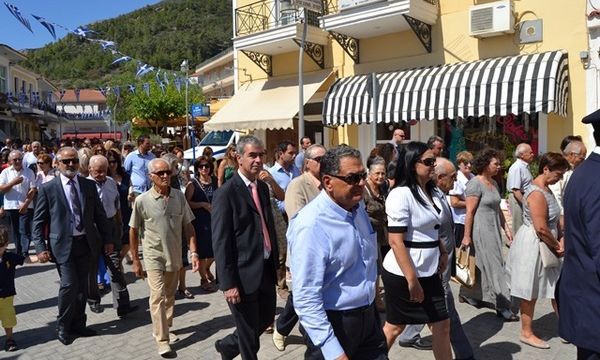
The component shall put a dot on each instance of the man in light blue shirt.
(333, 251)
(136, 165)
(284, 169)
(305, 142)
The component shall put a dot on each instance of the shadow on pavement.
(481, 328)
(203, 331)
(546, 327)
(33, 269)
(42, 304)
(498, 351)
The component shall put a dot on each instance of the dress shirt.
(136, 165)
(16, 196)
(334, 261)
(460, 185)
(67, 190)
(597, 150)
(42, 178)
(282, 178)
(299, 160)
(420, 223)
(519, 176)
(247, 182)
(109, 195)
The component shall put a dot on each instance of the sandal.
(207, 285)
(185, 293)
(11, 345)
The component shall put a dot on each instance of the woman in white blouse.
(413, 287)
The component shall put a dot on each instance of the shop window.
(385, 131)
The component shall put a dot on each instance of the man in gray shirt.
(519, 179)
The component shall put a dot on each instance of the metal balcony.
(268, 14)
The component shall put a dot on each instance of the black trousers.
(359, 332)
(74, 286)
(21, 227)
(585, 354)
(288, 317)
(252, 316)
(118, 284)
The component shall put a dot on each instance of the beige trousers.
(162, 299)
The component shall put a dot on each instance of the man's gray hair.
(443, 166)
(171, 158)
(36, 142)
(574, 147)
(310, 151)
(98, 159)
(330, 163)
(63, 150)
(520, 150)
(432, 140)
(247, 140)
(152, 164)
(18, 152)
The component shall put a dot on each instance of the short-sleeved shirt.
(16, 196)
(8, 263)
(460, 185)
(161, 221)
(420, 223)
(519, 176)
(136, 165)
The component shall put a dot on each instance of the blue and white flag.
(62, 94)
(47, 24)
(147, 89)
(106, 45)
(165, 77)
(117, 91)
(102, 91)
(22, 97)
(121, 59)
(10, 97)
(162, 87)
(177, 83)
(83, 31)
(157, 77)
(131, 88)
(77, 92)
(17, 14)
(143, 70)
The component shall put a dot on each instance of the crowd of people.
(355, 237)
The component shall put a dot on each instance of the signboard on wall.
(348, 4)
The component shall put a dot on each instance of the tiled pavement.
(201, 321)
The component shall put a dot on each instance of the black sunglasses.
(69, 161)
(162, 173)
(317, 159)
(351, 179)
(203, 166)
(427, 162)
(41, 162)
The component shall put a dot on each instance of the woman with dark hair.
(118, 173)
(199, 192)
(530, 279)
(411, 271)
(227, 166)
(483, 222)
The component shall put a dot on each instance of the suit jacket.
(299, 192)
(52, 208)
(579, 284)
(237, 237)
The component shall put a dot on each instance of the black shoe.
(64, 337)
(220, 350)
(507, 315)
(96, 308)
(85, 332)
(419, 344)
(127, 310)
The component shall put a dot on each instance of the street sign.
(200, 110)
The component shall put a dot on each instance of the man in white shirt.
(30, 158)
(18, 185)
(574, 152)
(519, 179)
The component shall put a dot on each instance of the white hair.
(152, 164)
(443, 166)
(521, 148)
(574, 147)
(98, 159)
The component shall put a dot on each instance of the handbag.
(465, 266)
(549, 260)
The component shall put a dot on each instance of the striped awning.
(498, 86)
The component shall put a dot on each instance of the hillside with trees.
(161, 35)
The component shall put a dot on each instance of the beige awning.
(270, 104)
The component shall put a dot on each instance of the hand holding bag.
(465, 266)
(549, 260)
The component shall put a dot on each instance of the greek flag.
(143, 70)
(131, 88)
(147, 88)
(48, 25)
(77, 92)
(121, 59)
(17, 14)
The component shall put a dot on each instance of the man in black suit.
(245, 249)
(70, 206)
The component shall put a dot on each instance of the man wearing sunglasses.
(70, 206)
(333, 251)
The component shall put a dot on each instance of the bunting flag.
(62, 94)
(22, 97)
(131, 88)
(49, 97)
(77, 92)
(157, 77)
(102, 91)
(177, 83)
(147, 89)
(162, 87)
(121, 59)
(106, 45)
(17, 14)
(165, 77)
(117, 91)
(83, 31)
(144, 69)
(10, 97)
(47, 24)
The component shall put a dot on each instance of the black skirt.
(400, 310)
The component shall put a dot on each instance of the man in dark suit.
(77, 223)
(578, 292)
(245, 249)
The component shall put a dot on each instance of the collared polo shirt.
(161, 221)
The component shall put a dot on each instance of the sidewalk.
(201, 321)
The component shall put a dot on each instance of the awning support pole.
(301, 77)
(374, 107)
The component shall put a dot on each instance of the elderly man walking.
(519, 179)
(161, 214)
(333, 251)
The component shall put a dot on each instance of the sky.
(68, 13)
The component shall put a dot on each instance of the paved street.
(201, 321)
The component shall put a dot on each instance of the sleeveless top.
(553, 208)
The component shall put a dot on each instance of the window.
(3, 85)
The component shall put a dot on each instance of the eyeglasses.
(69, 161)
(162, 173)
(203, 166)
(427, 162)
(351, 179)
(17, 159)
(317, 159)
(41, 162)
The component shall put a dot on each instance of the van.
(218, 142)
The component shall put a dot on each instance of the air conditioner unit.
(491, 19)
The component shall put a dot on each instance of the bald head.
(575, 153)
(524, 152)
(98, 167)
(445, 174)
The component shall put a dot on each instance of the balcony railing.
(268, 14)
(333, 7)
(213, 77)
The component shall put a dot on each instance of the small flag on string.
(22, 97)
(157, 77)
(165, 77)
(131, 88)
(117, 91)
(147, 89)
(83, 31)
(10, 97)
(102, 91)
(17, 14)
(121, 59)
(62, 94)
(106, 45)
(47, 24)
(143, 70)
(77, 92)
(162, 87)
(177, 83)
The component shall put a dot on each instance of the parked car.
(217, 140)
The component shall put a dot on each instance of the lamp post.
(185, 67)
